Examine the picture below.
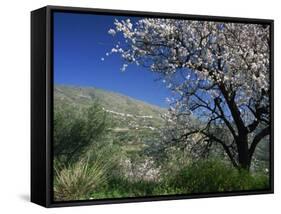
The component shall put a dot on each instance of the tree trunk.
(243, 152)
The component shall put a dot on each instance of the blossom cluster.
(200, 55)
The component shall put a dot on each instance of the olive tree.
(76, 129)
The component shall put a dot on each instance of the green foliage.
(99, 154)
(78, 180)
(216, 176)
(75, 182)
(118, 187)
(111, 101)
(76, 129)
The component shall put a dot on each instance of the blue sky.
(80, 41)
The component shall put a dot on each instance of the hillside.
(111, 100)
(135, 122)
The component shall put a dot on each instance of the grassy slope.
(130, 126)
(135, 122)
(133, 134)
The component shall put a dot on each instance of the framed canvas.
(131, 106)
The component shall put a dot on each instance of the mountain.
(135, 122)
(109, 100)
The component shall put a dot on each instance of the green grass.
(216, 176)
(97, 172)
(76, 181)
(200, 177)
(119, 187)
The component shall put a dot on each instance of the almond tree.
(219, 73)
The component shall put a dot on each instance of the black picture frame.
(42, 104)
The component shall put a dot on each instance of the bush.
(77, 181)
(215, 176)
(76, 129)
(118, 187)
(207, 176)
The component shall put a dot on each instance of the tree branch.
(257, 139)
(225, 147)
(225, 119)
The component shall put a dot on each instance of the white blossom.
(112, 32)
(214, 61)
(241, 57)
(124, 67)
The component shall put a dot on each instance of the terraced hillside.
(136, 123)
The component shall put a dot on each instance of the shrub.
(77, 181)
(216, 176)
(76, 129)
(118, 187)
